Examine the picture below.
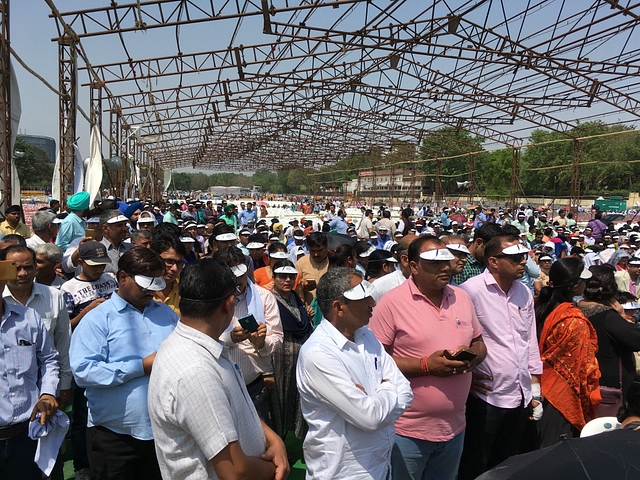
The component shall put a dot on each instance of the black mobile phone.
(249, 323)
(461, 356)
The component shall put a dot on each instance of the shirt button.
(7, 349)
(15, 418)
(13, 394)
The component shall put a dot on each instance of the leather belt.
(13, 430)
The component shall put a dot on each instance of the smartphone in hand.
(248, 322)
(461, 356)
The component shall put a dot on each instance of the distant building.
(386, 184)
(47, 144)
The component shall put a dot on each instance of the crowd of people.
(190, 340)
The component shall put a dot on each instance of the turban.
(78, 201)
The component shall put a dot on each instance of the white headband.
(255, 245)
(368, 252)
(187, 240)
(279, 255)
(239, 270)
(458, 247)
(439, 254)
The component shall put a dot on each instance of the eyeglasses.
(515, 258)
(170, 262)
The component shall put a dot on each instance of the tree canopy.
(33, 165)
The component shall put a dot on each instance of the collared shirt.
(310, 269)
(79, 293)
(365, 227)
(169, 217)
(472, 268)
(21, 229)
(57, 282)
(339, 223)
(245, 215)
(173, 299)
(49, 304)
(28, 362)
(351, 433)
(414, 327)
(72, 227)
(33, 241)
(252, 362)
(509, 332)
(107, 349)
(386, 283)
(115, 253)
(198, 404)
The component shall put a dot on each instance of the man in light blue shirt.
(29, 365)
(73, 226)
(338, 223)
(248, 214)
(112, 352)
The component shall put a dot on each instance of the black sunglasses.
(515, 257)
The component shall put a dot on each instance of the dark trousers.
(113, 456)
(260, 398)
(79, 428)
(16, 458)
(493, 434)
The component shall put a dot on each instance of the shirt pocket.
(23, 361)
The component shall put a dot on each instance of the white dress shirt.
(387, 282)
(351, 433)
(33, 241)
(50, 305)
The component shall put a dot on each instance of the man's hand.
(310, 311)
(269, 382)
(257, 338)
(309, 284)
(64, 399)
(147, 363)
(361, 388)
(276, 453)
(239, 334)
(477, 386)
(47, 406)
(93, 305)
(440, 366)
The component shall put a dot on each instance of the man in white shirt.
(48, 260)
(43, 227)
(204, 422)
(397, 278)
(351, 390)
(252, 351)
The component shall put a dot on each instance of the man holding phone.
(251, 350)
(431, 330)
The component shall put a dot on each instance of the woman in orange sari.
(568, 345)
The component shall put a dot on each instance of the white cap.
(545, 258)
(187, 240)
(239, 270)
(118, 219)
(279, 255)
(439, 254)
(255, 245)
(286, 269)
(458, 247)
(550, 245)
(516, 249)
(93, 220)
(150, 283)
(359, 292)
(226, 237)
(368, 252)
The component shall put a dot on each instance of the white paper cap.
(439, 254)
(279, 255)
(255, 245)
(239, 270)
(368, 252)
(119, 218)
(360, 291)
(516, 249)
(150, 283)
(226, 237)
(286, 269)
(458, 247)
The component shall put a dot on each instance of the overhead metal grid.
(309, 83)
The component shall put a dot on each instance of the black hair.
(204, 285)
(339, 256)
(282, 262)
(256, 238)
(16, 249)
(230, 255)
(361, 246)
(494, 246)
(601, 287)
(487, 231)
(317, 239)
(376, 261)
(276, 247)
(631, 405)
(141, 261)
(416, 246)
(563, 276)
(511, 230)
(17, 240)
(165, 229)
(162, 243)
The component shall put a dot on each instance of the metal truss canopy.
(318, 81)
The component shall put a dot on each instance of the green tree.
(33, 165)
(200, 181)
(182, 181)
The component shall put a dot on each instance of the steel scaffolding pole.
(5, 106)
(439, 191)
(575, 175)
(114, 149)
(68, 73)
(515, 177)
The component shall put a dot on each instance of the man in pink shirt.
(505, 389)
(417, 322)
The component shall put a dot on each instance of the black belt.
(13, 430)
(255, 382)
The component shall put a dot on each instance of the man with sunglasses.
(351, 391)
(112, 353)
(505, 390)
(424, 323)
(172, 253)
